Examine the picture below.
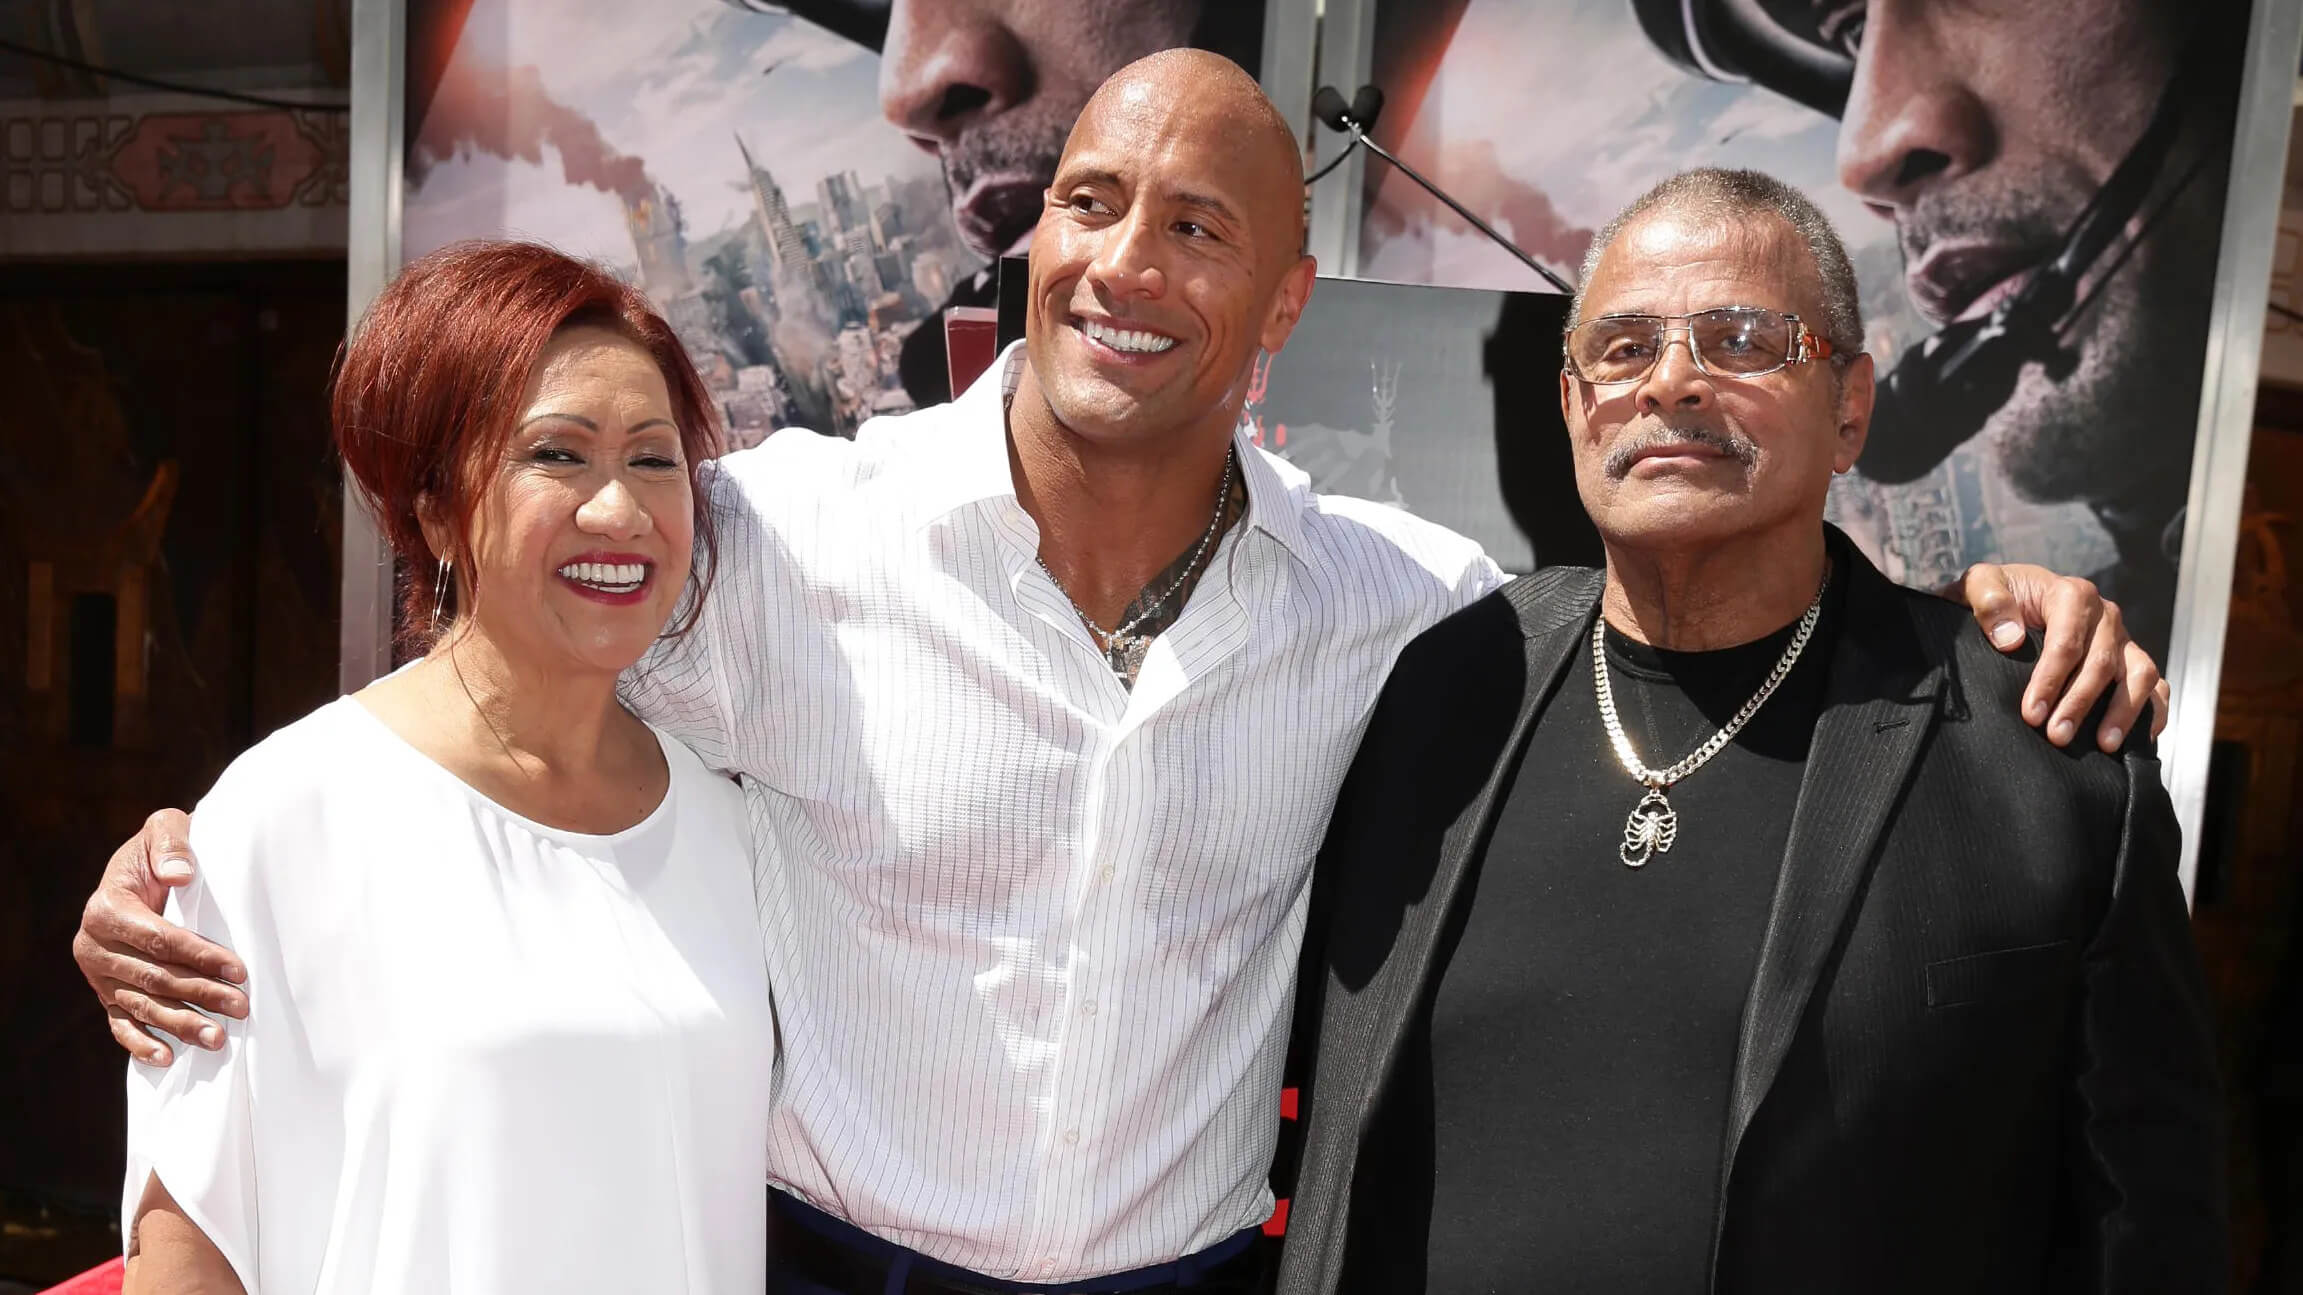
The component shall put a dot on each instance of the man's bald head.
(1169, 255)
(1206, 88)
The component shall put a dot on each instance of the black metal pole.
(1482, 226)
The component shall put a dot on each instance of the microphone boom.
(1356, 117)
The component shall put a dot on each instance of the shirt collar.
(977, 469)
(1277, 494)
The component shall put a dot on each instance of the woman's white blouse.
(482, 1054)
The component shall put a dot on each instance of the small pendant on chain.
(1126, 653)
(1650, 830)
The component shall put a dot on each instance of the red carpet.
(96, 1281)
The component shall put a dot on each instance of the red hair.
(427, 391)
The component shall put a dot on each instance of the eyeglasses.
(1730, 342)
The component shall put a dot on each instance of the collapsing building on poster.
(733, 165)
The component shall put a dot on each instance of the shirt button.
(1088, 1008)
(1047, 1265)
(1071, 1137)
(1104, 874)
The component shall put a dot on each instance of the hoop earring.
(440, 591)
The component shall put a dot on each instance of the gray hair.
(1718, 193)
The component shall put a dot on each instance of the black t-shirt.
(1583, 1032)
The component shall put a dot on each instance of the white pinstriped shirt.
(1032, 936)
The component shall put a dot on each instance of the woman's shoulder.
(288, 778)
(260, 835)
(295, 754)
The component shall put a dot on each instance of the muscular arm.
(678, 688)
(168, 1254)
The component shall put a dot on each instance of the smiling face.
(1679, 459)
(1169, 252)
(582, 538)
(1982, 130)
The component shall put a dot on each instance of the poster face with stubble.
(2031, 195)
(801, 188)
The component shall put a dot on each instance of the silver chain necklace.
(1125, 648)
(1653, 824)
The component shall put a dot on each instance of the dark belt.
(799, 1245)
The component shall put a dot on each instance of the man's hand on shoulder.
(147, 971)
(2085, 651)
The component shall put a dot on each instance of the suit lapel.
(1880, 704)
(1554, 608)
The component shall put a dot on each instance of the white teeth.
(1126, 339)
(615, 577)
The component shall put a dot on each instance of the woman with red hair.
(570, 1092)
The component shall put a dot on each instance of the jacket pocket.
(2003, 973)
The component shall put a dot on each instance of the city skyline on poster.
(732, 164)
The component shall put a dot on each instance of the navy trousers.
(872, 1265)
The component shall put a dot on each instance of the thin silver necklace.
(1125, 648)
(1653, 824)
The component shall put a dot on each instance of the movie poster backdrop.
(759, 172)
(2031, 195)
(803, 209)
(799, 208)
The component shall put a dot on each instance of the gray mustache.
(1733, 444)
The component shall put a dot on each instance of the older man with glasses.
(1798, 963)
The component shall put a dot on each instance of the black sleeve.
(1299, 1071)
(1438, 728)
(2152, 1214)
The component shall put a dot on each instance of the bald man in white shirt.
(1041, 700)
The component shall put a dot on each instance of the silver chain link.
(1214, 527)
(1664, 778)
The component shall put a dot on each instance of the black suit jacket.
(1975, 1054)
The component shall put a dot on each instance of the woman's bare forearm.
(168, 1254)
